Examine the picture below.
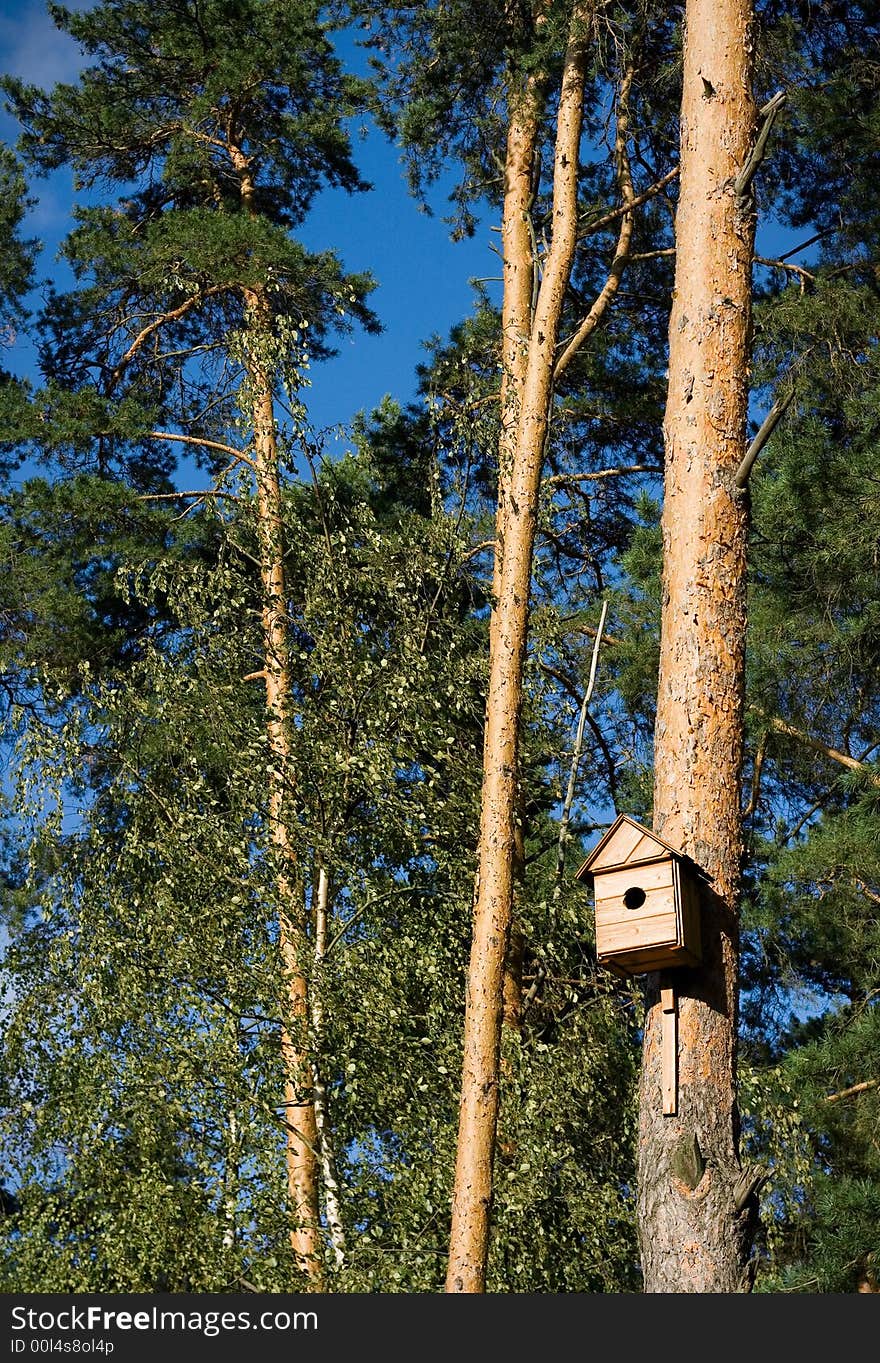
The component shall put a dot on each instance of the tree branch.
(781, 726)
(768, 426)
(206, 444)
(743, 181)
(637, 202)
(145, 334)
(624, 238)
(780, 264)
(756, 778)
(576, 754)
(853, 1088)
(600, 473)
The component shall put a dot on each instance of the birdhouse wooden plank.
(647, 900)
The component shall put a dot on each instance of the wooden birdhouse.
(647, 900)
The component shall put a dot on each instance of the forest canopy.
(304, 749)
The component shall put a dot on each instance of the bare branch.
(175, 496)
(756, 155)
(853, 1088)
(780, 264)
(768, 426)
(796, 250)
(756, 778)
(781, 726)
(206, 444)
(624, 237)
(144, 335)
(607, 218)
(576, 754)
(599, 474)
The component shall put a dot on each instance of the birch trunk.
(322, 1108)
(693, 1237)
(529, 397)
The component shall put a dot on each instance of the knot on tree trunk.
(687, 1162)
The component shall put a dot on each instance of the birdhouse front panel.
(647, 900)
(642, 920)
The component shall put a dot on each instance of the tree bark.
(299, 1105)
(531, 400)
(519, 275)
(326, 1154)
(301, 1131)
(693, 1236)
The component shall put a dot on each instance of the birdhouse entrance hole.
(634, 897)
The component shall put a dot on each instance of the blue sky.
(423, 278)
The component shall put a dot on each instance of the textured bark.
(693, 1238)
(301, 1132)
(531, 402)
(299, 1106)
(519, 268)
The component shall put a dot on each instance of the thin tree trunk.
(518, 273)
(322, 1113)
(519, 278)
(478, 1116)
(694, 1236)
(299, 1106)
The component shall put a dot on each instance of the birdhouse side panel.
(689, 906)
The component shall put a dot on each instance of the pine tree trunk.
(519, 275)
(693, 1238)
(478, 1116)
(299, 1107)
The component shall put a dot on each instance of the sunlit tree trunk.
(299, 1106)
(326, 1153)
(528, 397)
(694, 1236)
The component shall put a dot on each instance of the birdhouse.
(647, 900)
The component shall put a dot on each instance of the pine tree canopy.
(245, 681)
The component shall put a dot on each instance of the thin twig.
(576, 754)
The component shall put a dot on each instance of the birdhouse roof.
(627, 843)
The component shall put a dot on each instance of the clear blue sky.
(423, 278)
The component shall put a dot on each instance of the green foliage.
(147, 963)
(141, 1126)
